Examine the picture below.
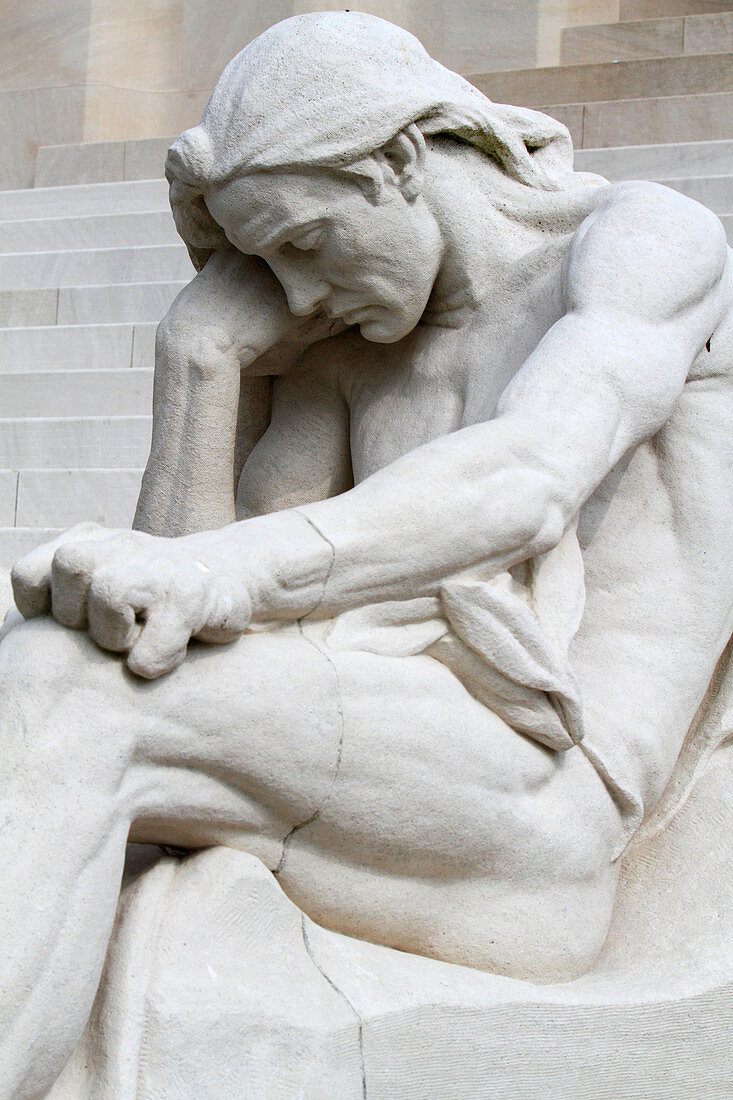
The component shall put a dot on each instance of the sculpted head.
(311, 153)
(359, 243)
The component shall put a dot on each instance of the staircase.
(91, 260)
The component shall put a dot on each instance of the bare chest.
(436, 381)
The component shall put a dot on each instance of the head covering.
(325, 90)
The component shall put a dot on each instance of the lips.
(355, 316)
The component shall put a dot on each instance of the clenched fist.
(135, 593)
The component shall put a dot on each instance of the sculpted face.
(369, 263)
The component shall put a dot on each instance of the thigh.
(382, 761)
(387, 758)
(446, 833)
(238, 745)
(430, 781)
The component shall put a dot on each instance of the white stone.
(93, 163)
(76, 393)
(464, 701)
(21, 308)
(686, 118)
(143, 345)
(61, 498)
(78, 200)
(703, 158)
(66, 347)
(95, 267)
(108, 230)
(145, 160)
(88, 441)
(17, 541)
(116, 303)
(8, 497)
(715, 192)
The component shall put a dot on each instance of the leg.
(446, 833)
(393, 805)
(89, 752)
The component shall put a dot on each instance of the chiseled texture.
(210, 961)
(420, 632)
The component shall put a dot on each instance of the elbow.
(547, 509)
(201, 351)
(552, 520)
(544, 501)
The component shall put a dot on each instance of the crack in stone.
(331, 563)
(337, 766)
(340, 992)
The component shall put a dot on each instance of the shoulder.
(645, 251)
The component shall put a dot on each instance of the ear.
(398, 164)
(402, 161)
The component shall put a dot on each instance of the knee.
(57, 676)
(40, 651)
(64, 724)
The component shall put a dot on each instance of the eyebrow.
(275, 238)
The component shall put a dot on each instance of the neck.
(491, 225)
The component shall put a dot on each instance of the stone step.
(88, 442)
(651, 9)
(87, 305)
(100, 161)
(61, 498)
(8, 497)
(622, 80)
(116, 303)
(76, 200)
(95, 266)
(16, 542)
(606, 42)
(29, 307)
(121, 392)
(715, 192)
(665, 161)
(666, 119)
(150, 227)
(77, 347)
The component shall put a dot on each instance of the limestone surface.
(415, 661)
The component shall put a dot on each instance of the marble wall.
(104, 70)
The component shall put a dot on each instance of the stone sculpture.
(430, 579)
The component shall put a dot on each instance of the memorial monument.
(421, 633)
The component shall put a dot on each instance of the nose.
(305, 290)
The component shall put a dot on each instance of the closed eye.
(309, 240)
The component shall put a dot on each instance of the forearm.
(461, 500)
(188, 483)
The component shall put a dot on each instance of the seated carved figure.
(431, 563)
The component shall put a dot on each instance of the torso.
(655, 534)
(440, 379)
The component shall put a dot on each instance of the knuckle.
(21, 575)
(71, 559)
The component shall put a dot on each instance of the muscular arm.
(227, 331)
(643, 286)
